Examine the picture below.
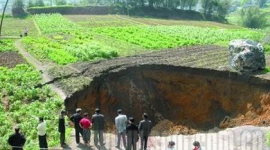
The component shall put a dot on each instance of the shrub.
(252, 17)
(18, 8)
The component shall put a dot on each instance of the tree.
(207, 6)
(253, 17)
(40, 3)
(18, 8)
(31, 3)
(60, 2)
(192, 3)
(261, 3)
(222, 8)
(183, 3)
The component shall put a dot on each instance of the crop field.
(15, 26)
(121, 21)
(69, 42)
(22, 102)
(62, 40)
(7, 45)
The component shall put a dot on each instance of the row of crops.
(23, 102)
(6, 45)
(159, 37)
(65, 42)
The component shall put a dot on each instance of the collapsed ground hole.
(178, 99)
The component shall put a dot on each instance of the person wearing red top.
(197, 145)
(86, 124)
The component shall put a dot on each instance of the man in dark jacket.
(98, 122)
(132, 134)
(76, 118)
(145, 127)
(62, 127)
(16, 140)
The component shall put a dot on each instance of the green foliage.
(60, 2)
(262, 3)
(18, 4)
(26, 102)
(222, 7)
(192, 3)
(266, 70)
(31, 3)
(253, 17)
(39, 3)
(6, 45)
(14, 26)
(18, 8)
(55, 23)
(267, 48)
(174, 36)
(71, 44)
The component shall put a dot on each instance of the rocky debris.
(246, 55)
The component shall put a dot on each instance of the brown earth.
(183, 91)
(11, 59)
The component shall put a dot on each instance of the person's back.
(145, 127)
(132, 131)
(98, 121)
(85, 123)
(120, 122)
(16, 140)
(132, 134)
(76, 118)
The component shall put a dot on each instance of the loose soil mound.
(11, 59)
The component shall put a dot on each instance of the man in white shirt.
(41, 128)
(121, 123)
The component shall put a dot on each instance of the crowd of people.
(126, 130)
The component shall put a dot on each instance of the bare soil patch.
(11, 59)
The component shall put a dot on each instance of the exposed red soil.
(175, 90)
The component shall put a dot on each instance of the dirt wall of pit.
(197, 99)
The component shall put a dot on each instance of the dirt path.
(39, 66)
(38, 29)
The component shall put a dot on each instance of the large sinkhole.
(191, 99)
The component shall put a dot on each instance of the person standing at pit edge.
(86, 124)
(171, 145)
(62, 127)
(41, 128)
(121, 123)
(16, 140)
(76, 118)
(197, 145)
(132, 134)
(98, 122)
(145, 127)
